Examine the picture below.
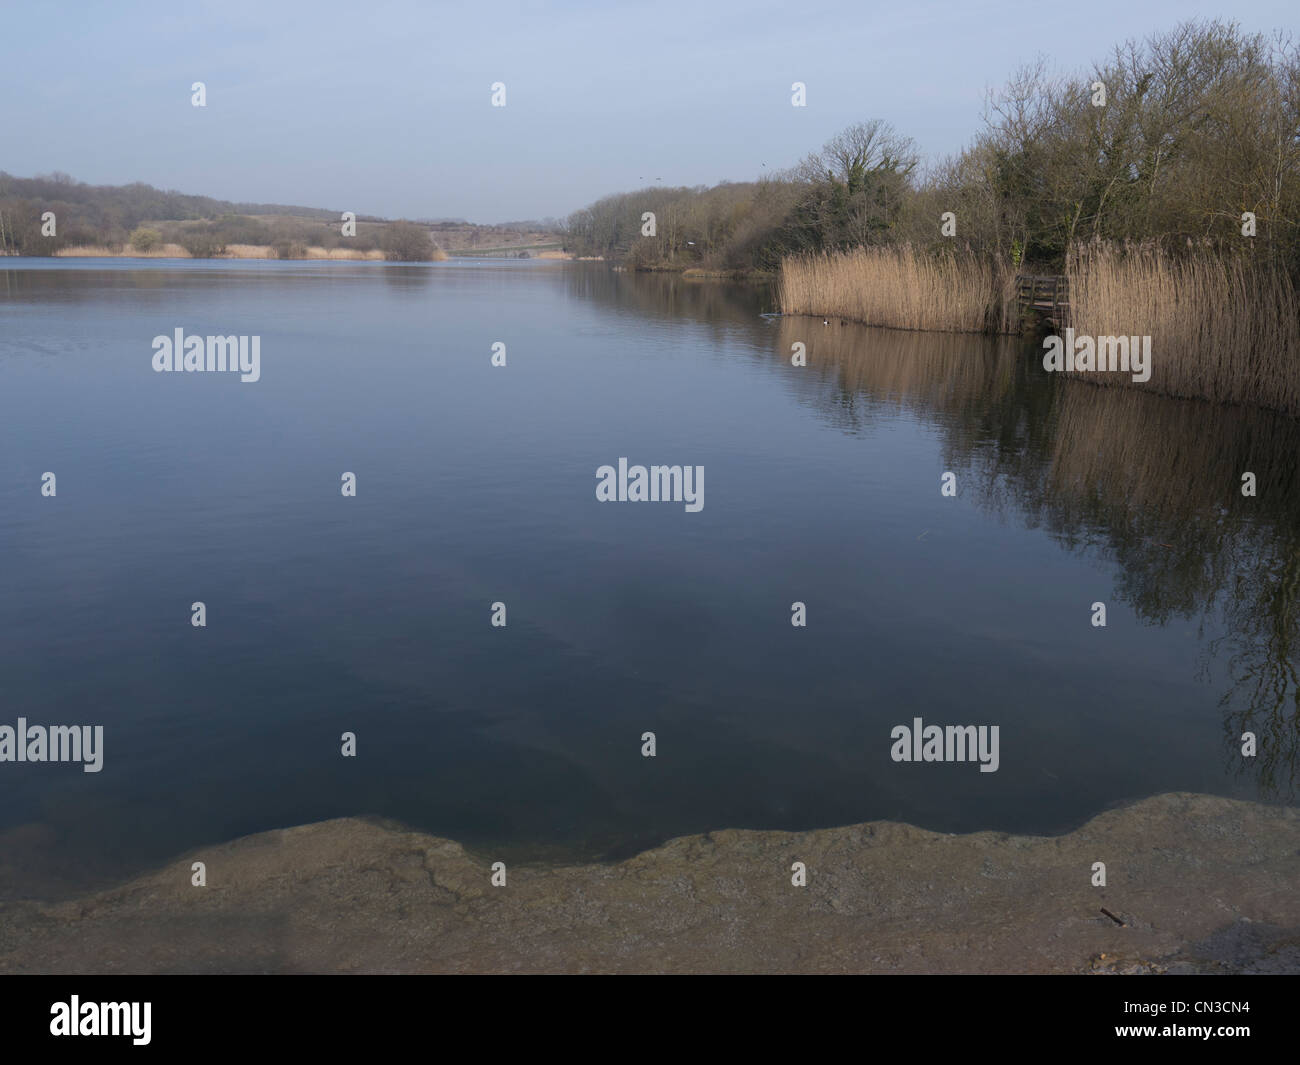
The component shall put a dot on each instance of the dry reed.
(903, 288)
(233, 251)
(345, 254)
(1221, 328)
(100, 251)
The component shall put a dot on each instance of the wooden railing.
(1047, 294)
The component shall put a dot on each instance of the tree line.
(1186, 138)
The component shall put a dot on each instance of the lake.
(476, 485)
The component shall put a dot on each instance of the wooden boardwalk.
(1047, 295)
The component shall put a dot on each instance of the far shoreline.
(237, 252)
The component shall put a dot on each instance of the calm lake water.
(477, 484)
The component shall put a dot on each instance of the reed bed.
(902, 287)
(1221, 328)
(248, 251)
(342, 254)
(101, 251)
(233, 251)
(270, 251)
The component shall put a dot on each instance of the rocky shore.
(1194, 884)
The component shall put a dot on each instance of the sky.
(386, 108)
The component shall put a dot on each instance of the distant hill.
(127, 206)
(105, 216)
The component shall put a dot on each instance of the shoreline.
(268, 252)
(1201, 884)
(233, 251)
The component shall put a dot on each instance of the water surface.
(477, 484)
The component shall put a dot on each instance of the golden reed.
(903, 288)
(1221, 328)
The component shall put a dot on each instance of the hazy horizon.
(309, 106)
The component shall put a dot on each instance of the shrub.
(202, 243)
(406, 242)
(145, 240)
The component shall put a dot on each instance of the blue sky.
(384, 108)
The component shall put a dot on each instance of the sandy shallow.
(1202, 884)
